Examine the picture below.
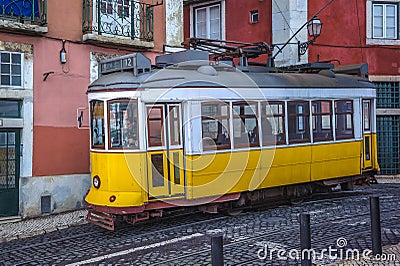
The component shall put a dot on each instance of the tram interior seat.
(222, 139)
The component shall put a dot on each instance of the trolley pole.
(305, 239)
(217, 252)
(375, 226)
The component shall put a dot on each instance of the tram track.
(262, 236)
(254, 238)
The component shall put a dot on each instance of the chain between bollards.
(217, 252)
(375, 226)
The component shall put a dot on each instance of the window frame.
(344, 113)
(242, 116)
(297, 116)
(171, 127)
(367, 123)
(10, 74)
(315, 115)
(384, 6)
(218, 118)
(19, 104)
(136, 127)
(254, 14)
(92, 145)
(266, 115)
(208, 20)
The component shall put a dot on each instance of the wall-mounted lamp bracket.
(63, 53)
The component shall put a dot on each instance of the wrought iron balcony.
(118, 18)
(24, 11)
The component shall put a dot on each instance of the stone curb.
(41, 225)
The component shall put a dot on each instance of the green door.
(9, 172)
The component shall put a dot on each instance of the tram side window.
(273, 123)
(245, 127)
(322, 120)
(215, 126)
(123, 124)
(97, 124)
(298, 121)
(344, 119)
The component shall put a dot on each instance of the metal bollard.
(217, 252)
(305, 238)
(375, 226)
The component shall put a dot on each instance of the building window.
(344, 119)
(384, 20)
(245, 128)
(298, 121)
(387, 94)
(10, 108)
(273, 123)
(207, 22)
(215, 126)
(11, 69)
(254, 16)
(322, 120)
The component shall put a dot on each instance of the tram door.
(367, 134)
(9, 172)
(165, 153)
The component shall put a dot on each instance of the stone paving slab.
(40, 225)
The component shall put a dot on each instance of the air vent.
(136, 62)
(45, 204)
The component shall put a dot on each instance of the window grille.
(388, 133)
(388, 94)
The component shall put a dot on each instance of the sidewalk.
(36, 226)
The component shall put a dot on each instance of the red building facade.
(367, 32)
(238, 20)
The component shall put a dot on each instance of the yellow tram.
(194, 133)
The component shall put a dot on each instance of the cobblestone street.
(341, 222)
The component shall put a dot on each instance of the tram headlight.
(96, 181)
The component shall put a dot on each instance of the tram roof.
(202, 74)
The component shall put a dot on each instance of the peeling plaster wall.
(174, 22)
(287, 17)
(66, 192)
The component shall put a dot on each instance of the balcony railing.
(118, 18)
(24, 11)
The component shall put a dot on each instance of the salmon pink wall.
(64, 19)
(343, 38)
(59, 146)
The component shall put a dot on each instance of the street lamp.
(314, 27)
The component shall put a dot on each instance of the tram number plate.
(118, 65)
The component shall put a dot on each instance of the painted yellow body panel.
(374, 151)
(335, 160)
(122, 175)
(127, 177)
(216, 174)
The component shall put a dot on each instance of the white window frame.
(195, 7)
(384, 15)
(253, 15)
(11, 74)
(369, 25)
